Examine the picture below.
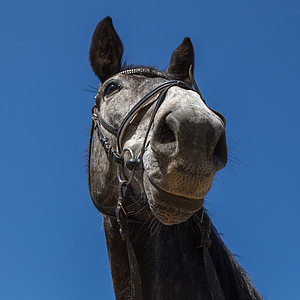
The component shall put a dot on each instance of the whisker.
(133, 212)
(92, 87)
(89, 91)
(143, 227)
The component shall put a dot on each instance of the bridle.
(133, 163)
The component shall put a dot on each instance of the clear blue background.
(52, 242)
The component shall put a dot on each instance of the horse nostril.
(220, 152)
(164, 140)
(165, 134)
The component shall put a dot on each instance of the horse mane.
(235, 282)
(230, 273)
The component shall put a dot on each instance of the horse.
(154, 148)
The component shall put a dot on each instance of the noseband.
(155, 96)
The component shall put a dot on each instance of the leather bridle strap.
(135, 277)
(164, 87)
(213, 281)
(214, 284)
(119, 131)
(101, 208)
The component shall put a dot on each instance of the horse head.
(169, 142)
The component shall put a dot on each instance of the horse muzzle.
(187, 148)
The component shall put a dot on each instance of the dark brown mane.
(235, 281)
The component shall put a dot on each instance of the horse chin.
(168, 208)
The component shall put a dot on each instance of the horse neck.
(171, 264)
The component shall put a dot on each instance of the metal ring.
(119, 171)
(126, 150)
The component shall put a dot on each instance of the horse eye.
(110, 89)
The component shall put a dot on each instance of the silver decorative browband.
(146, 71)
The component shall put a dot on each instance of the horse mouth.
(169, 208)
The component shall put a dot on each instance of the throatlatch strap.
(136, 283)
(215, 288)
(214, 284)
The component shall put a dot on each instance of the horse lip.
(188, 200)
(183, 170)
(168, 208)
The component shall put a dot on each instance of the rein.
(133, 163)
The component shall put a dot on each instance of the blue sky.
(247, 67)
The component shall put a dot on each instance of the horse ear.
(106, 50)
(181, 60)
